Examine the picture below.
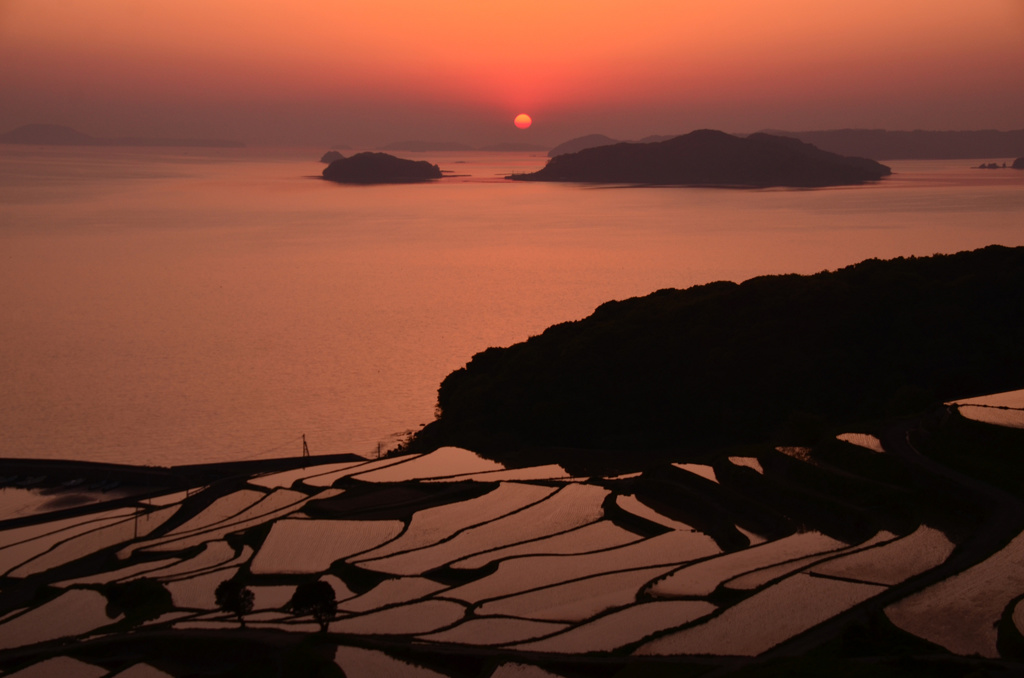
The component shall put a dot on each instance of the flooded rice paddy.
(539, 567)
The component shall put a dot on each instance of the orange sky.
(369, 72)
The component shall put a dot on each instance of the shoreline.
(69, 479)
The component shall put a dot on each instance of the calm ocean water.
(170, 306)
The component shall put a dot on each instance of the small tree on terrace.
(315, 598)
(234, 597)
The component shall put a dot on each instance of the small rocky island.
(1018, 164)
(711, 158)
(380, 168)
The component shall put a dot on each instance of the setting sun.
(523, 121)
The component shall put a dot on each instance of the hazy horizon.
(320, 72)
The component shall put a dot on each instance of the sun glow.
(523, 121)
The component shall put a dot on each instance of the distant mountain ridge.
(594, 140)
(880, 144)
(711, 158)
(456, 147)
(61, 135)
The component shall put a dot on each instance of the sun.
(523, 121)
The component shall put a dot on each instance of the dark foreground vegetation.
(709, 157)
(776, 358)
(380, 168)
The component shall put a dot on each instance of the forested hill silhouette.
(61, 135)
(427, 146)
(919, 144)
(379, 168)
(710, 157)
(580, 143)
(592, 140)
(776, 358)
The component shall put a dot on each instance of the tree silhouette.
(139, 600)
(315, 598)
(234, 597)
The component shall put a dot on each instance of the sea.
(169, 306)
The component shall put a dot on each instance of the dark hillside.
(918, 144)
(774, 358)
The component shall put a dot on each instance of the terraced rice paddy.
(865, 440)
(424, 616)
(73, 613)
(93, 541)
(766, 575)
(285, 479)
(142, 671)
(359, 663)
(121, 574)
(628, 502)
(547, 472)
(274, 597)
(278, 504)
(392, 592)
(213, 554)
(1013, 418)
(197, 593)
(892, 562)
(62, 666)
(328, 479)
(307, 546)
(544, 569)
(702, 470)
(24, 544)
(576, 600)
(495, 631)
(623, 627)
(701, 579)
(793, 606)
(962, 613)
(444, 462)
(572, 506)
(748, 462)
(598, 536)
(431, 526)
(525, 573)
(1000, 409)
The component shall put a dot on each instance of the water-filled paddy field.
(683, 562)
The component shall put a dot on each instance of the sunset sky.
(367, 72)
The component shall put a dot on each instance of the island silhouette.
(379, 168)
(592, 140)
(710, 158)
(883, 144)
